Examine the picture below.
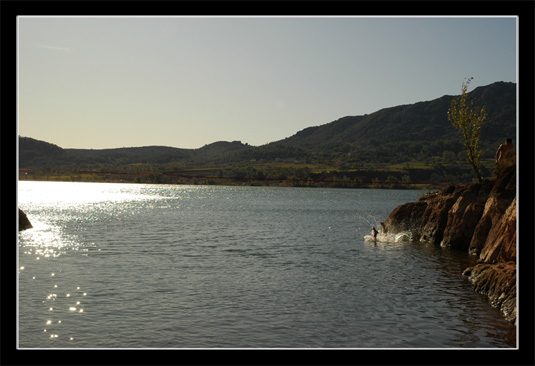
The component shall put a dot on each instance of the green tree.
(449, 157)
(468, 119)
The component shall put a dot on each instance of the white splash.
(381, 237)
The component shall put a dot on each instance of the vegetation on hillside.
(408, 145)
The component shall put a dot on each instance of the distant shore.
(253, 183)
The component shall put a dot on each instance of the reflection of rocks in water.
(24, 223)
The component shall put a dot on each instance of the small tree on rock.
(468, 119)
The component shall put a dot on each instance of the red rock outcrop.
(478, 218)
(498, 282)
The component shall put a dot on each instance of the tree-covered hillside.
(416, 131)
(413, 142)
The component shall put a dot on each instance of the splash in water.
(382, 237)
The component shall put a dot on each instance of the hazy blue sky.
(103, 82)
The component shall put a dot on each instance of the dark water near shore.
(162, 266)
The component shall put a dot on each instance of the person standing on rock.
(505, 157)
(504, 150)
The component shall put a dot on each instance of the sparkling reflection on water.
(154, 266)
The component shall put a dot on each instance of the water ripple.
(226, 267)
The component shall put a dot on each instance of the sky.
(108, 82)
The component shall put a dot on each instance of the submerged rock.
(24, 223)
(478, 218)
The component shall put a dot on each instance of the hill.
(414, 131)
(408, 135)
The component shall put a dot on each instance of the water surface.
(171, 266)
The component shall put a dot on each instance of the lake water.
(172, 266)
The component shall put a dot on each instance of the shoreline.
(478, 219)
(283, 183)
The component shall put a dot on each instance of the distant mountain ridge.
(402, 133)
(416, 122)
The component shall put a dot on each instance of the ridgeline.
(408, 146)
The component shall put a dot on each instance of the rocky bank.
(477, 218)
(24, 222)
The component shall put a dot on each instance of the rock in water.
(24, 223)
(477, 218)
(498, 282)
